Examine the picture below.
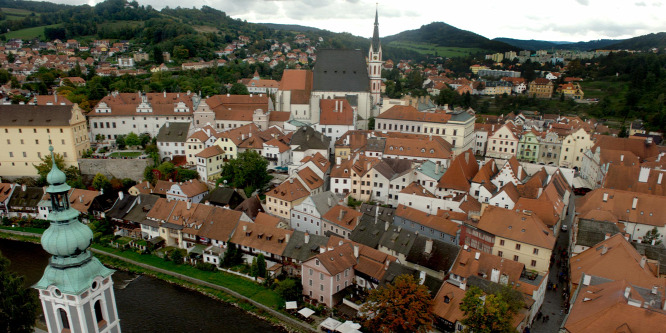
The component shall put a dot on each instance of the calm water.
(146, 304)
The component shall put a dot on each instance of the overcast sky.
(564, 20)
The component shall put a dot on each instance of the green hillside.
(443, 35)
(439, 51)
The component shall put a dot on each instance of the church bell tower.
(375, 64)
(76, 290)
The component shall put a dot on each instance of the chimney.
(355, 251)
(540, 191)
(627, 290)
(286, 238)
(121, 195)
(338, 160)
(586, 279)
(607, 236)
(330, 201)
(621, 157)
(463, 285)
(467, 157)
(477, 255)
(520, 171)
(428, 246)
(368, 164)
(244, 228)
(341, 214)
(604, 249)
(605, 197)
(386, 225)
(643, 261)
(634, 203)
(81, 198)
(306, 238)
(189, 205)
(660, 177)
(422, 277)
(24, 187)
(167, 124)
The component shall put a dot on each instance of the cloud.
(640, 4)
(583, 2)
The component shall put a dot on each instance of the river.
(146, 304)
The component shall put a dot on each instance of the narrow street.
(554, 302)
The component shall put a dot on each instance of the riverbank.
(248, 296)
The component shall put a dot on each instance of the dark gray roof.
(121, 207)
(490, 287)
(395, 269)
(375, 34)
(393, 167)
(341, 70)
(26, 199)
(398, 240)
(653, 252)
(174, 132)
(592, 232)
(150, 223)
(223, 196)
(322, 203)
(251, 207)
(375, 144)
(297, 249)
(439, 259)
(367, 232)
(143, 204)
(307, 138)
(35, 115)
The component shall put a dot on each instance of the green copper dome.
(66, 239)
(55, 176)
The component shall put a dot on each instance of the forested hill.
(202, 31)
(642, 43)
(442, 34)
(548, 45)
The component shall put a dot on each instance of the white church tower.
(76, 290)
(375, 64)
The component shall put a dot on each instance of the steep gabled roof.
(517, 226)
(462, 170)
(615, 259)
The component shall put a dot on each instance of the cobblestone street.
(553, 305)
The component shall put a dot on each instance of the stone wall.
(119, 168)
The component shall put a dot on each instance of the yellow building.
(519, 236)
(26, 131)
(476, 68)
(280, 200)
(231, 140)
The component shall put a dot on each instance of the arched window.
(64, 320)
(99, 315)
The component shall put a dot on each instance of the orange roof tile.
(262, 237)
(616, 259)
(462, 170)
(289, 190)
(520, 227)
(211, 151)
(336, 112)
(343, 216)
(429, 220)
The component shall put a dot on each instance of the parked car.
(564, 227)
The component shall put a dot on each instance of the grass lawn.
(30, 33)
(442, 51)
(239, 284)
(33, 230)
(131, 154)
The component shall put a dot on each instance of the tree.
(232, 256)
(132, 140)
(261, 266)
(401, 306)
(652, 235)
(254, 268)
(492, 313)
(289, 289)
(239, 89)
(101, 183)
(176, 257)
(166, 169)
(247, 171)
(18, 306)
(73, 174)
(120, 141)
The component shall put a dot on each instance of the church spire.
(375, 35)
(76, 290)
